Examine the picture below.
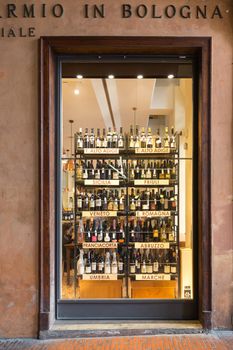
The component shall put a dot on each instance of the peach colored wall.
(19, 150)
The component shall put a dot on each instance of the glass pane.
(127, 226)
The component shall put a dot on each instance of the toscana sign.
(14, 11)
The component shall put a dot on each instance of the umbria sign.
(13, 11)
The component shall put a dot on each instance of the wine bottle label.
(173, 269)
(114, 269)
(107, 269)
(143, 268)
(171, 237)
(115, 175)
(88, 269)
(120, 266)
(80, 269)
(155, 266)
(101, 266)
(93, 266)
(167, 269)
(149, 269)
(120, 143)
(132, 268)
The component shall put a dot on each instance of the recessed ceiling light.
(76, 92)
(140, 76)
(170, 76)
(79, 76)
(111, 76)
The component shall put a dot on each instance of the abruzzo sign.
(14, 11)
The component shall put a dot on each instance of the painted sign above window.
(125, 11)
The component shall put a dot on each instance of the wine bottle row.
(114, 170)
(150, 262)
(93, 262)
(147, 262)
(148, 230)
(135, 138)
(114, 200)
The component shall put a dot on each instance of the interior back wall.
(19, 143)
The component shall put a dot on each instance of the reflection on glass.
(127, 189)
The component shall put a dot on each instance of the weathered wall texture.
(19, 146)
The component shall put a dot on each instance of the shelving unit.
(127, 155)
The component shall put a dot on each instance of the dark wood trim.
(48, 49)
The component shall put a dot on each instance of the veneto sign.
(14, 11)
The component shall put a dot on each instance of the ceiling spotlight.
(111, 76)
(170, 76)
(79, 76)
(76, 92)
(140, 76)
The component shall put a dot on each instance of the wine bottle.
(158, 142)
(131, 138)
(173, 139)
(92, 139)
(86, 139)
(100, 232)
(87, 232)
(121, 141)
(80, 263)
(136, 138)
(88, 264)
(93, 263)
(149, 265)
(155, 232)
(100, 265)
(98, 142)
(149, 139)
(114, 139)
(132, 263)
(79, 139)
(107, 263)
(104, 140)
(114, 264)
(94, 232)
(166, 139)
(121, 264)
(143, 138)
(109, 138)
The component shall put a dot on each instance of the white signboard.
(98, 213)
(157, 277)
(152, 150)
(153, 213)
(101, 150)
(151, 245)
(101, 182)
(99, 245)
(99, 277)
(151, 182)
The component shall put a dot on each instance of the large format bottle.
(80, 263)
(107, 263)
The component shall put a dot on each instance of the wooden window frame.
(49, 49)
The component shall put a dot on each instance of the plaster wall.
(19, 146)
